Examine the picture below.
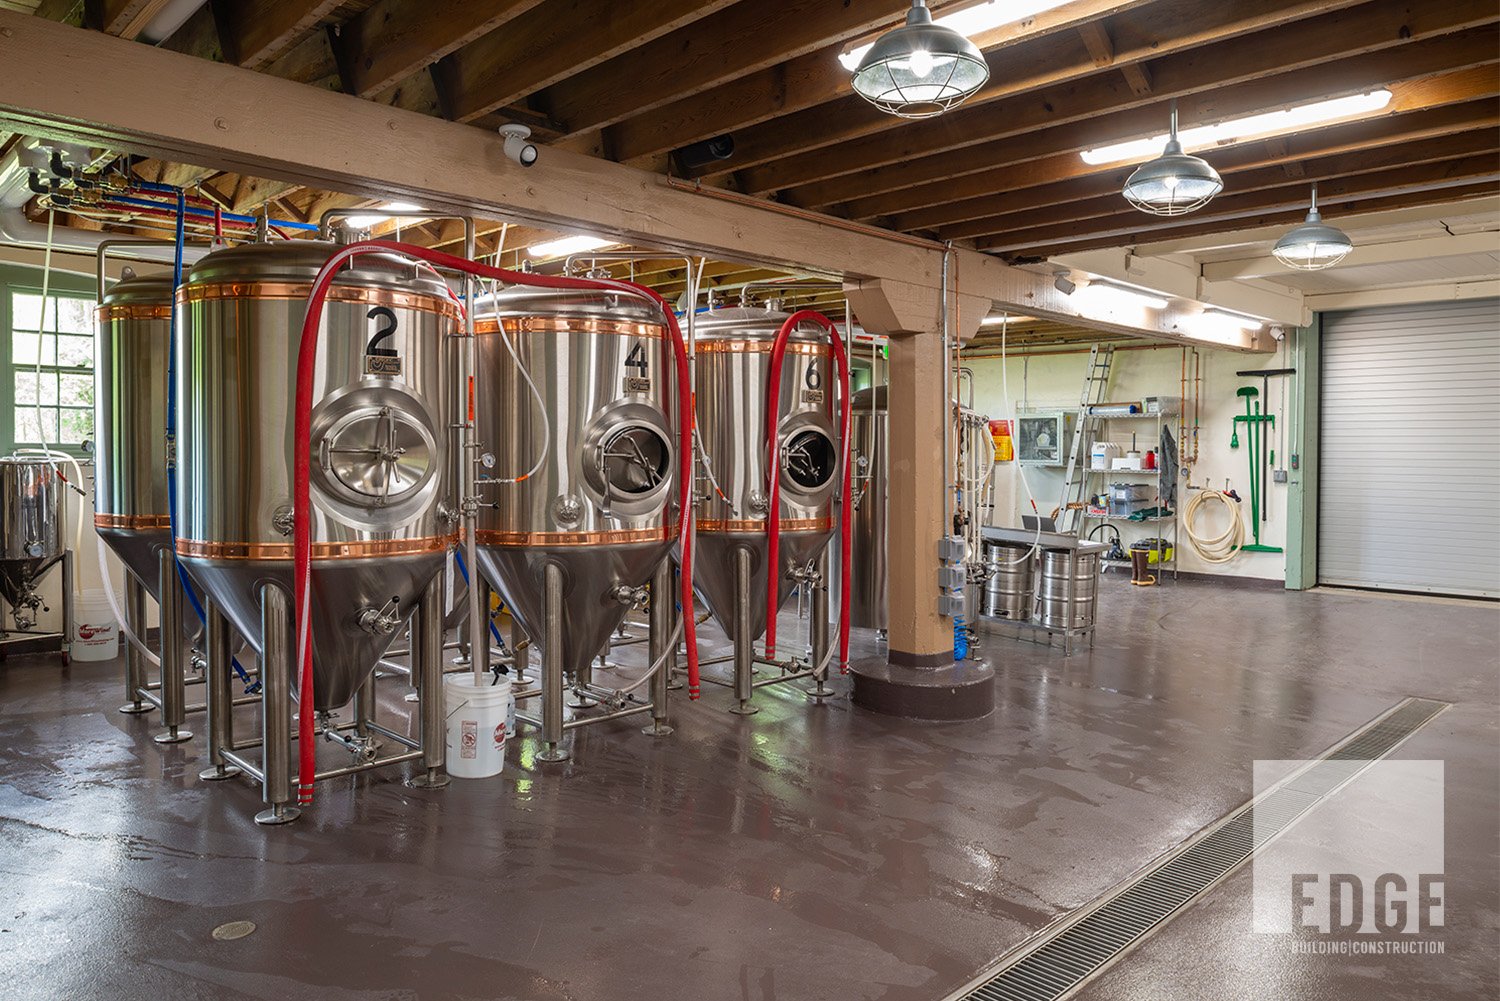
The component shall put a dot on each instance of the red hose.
(301, 467)
(773, 519)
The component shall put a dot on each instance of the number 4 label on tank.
(636, 360)
(379, 359)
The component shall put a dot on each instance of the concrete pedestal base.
(959, 691)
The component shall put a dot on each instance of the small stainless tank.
(733, 373)
(1008, 580)
(603, 506)
(1052, 590)
(31, 531)
(868, 452)
(382, 515)
(130, 420)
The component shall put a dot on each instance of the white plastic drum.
(478, 721)
(97, 635)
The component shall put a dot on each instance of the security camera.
(1064, 284)
(516, 146)
(1279, 333)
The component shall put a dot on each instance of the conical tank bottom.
(14, 574)
(139, 550)
(589, 611)
(713, 573)
(344, 654)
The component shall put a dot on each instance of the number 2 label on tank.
(380, 358)
(635, 360)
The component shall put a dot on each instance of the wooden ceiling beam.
(1205, 71)
(562, 39)
(1268, 178)
(254, 32)
(395, 38)
(736, 40)
(1417, 78)
(1332, 210)
(125, 18)
(800, 83)
(1274, 152)
(1230, 212)
(1049, 60)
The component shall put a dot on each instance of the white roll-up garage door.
(1409, 469)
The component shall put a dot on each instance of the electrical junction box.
(952, 575)
(951, 578)
(951, 549)
(951, 605)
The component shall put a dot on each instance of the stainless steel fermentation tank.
(31, 543)
(130, 486)
(733, 371)
(572, 545)
(382, 519)
(868, 452)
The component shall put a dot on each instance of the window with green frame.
(53, 400)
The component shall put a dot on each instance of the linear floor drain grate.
(1063, 958)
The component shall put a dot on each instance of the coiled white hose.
(1220, 548)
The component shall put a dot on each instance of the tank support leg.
(662, 617)
(820, 638)
(481, 633)
(68, 611)
(364, 706)
(276, 706)
(173, 661)
(520, 650)
(427, 650)
(744, 644)
(135, 663)
(220, 695)
(552, 666)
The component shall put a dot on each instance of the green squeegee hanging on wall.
(1256, 425)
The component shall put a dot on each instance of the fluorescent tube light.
(568, 245)
(1268, 123)
(969, 22)
(373, 219)
(1236, 320)
(1104, 296)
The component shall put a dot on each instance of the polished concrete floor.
(803, 853)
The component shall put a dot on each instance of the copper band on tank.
(760, 347)
(133, 521)
(490, 537)
(759, 525)
(193, 548)
(124, 312)
(564, 325)
(336, 293)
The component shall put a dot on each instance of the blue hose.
(465, 571)
(187, 585)
(183, 207)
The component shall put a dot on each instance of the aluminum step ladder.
(1072, 507)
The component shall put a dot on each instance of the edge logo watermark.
(1363, 867)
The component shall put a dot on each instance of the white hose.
(1010, 415)
(1221, 548)
(536, 394)
(114, 606)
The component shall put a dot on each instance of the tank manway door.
(375, 456)
(808, 460)
(634, 460)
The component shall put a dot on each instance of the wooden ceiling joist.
(393, 39)
(254, 32)
(1325, 169)
(1048, 60)
(126, 18)
(1203, 72)
(925, 205)
(1243, 167)
(559, 40)
(802, 82)
(1126, 225)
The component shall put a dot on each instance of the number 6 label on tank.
(635, 360)
(380, 358)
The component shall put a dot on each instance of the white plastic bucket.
(96, 634)
(478, 720)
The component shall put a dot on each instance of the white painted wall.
(1055, 381)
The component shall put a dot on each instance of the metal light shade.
(920, 69)
(1314, 245)
(1175, 183)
